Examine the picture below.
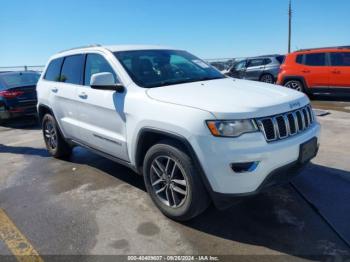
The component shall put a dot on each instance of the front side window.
(53, 70)
(94, 64)
(154, 68)
(72, 69)
(240, 65)
(317, 59)
(340, 59)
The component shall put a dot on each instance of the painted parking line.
(16, 242)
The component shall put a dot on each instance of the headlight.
(231, 128)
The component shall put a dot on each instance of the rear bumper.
(13, 112)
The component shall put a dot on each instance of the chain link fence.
(38, 68)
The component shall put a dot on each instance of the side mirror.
(105, 81)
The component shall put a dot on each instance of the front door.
(101, 112)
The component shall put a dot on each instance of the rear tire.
(55, 143)
(267, 78)
(173, 182)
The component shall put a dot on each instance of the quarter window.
(72, 69)
(340, 59)
(96, 63)
(299, 59)
(318, 59)
(53, 70)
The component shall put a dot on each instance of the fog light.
(244, 167)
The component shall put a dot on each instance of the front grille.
(285, 125)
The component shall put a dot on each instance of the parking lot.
(89, 205)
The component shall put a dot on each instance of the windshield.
(155, 68)
(10, 80)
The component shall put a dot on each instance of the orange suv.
(321, 70)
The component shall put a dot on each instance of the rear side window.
(96, 63)
(267, 61)
(256, 62)
(317, 59)
(340, 59)
(53, 70)
(72, 69)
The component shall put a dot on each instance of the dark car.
(18, 94)
(262, 68)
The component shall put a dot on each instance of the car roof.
(111, 48)
(325, 49)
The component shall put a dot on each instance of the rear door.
(340, 69)
(63, 94)
(315, 70)
(255, 67)
(101, 112)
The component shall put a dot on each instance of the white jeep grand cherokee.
(195, 135)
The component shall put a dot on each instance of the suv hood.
(231, 98)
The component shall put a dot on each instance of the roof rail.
(320, 48)
(80, 47)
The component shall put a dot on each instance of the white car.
(195, 135)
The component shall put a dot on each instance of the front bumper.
(216, 154)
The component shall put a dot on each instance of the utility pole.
(289, 25)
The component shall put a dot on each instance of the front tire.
(173, 182)
(295, 84)
(55, 143)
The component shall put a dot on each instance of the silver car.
(262, 68)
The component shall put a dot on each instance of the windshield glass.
(154, 68)
(10, 80)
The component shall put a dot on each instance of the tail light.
(10, 94)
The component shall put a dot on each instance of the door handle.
(83, 95)
(306, 71)
(54, 89)
(335, 72)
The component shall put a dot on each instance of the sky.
(32, 31)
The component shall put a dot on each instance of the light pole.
(289, 25)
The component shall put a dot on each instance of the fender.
(182, 142)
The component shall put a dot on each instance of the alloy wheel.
(169, 181)
(267, 79)
(294, 85)
(50, 134)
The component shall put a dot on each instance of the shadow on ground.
(279, 219)
(30, 123)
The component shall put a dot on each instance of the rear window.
(72, 69)
(19, 79)
(53, 70)
(317, 59)
(280, 59)
(340, 59)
